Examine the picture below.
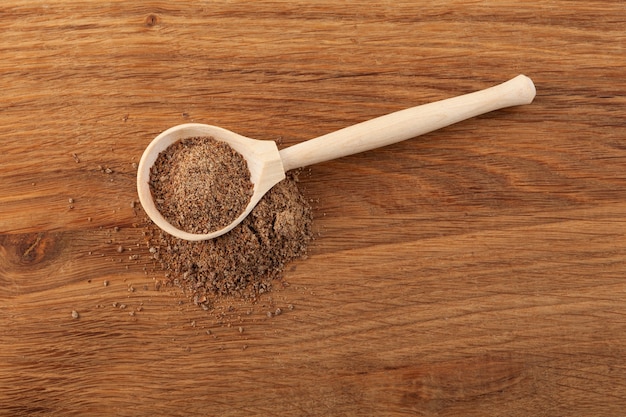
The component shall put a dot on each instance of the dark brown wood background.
(478, 270)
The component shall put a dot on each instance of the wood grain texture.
(477, 270)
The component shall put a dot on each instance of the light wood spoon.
(268, 165)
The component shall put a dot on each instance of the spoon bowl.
(267, 165)
(262, 156)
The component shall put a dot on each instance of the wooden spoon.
(268, 165)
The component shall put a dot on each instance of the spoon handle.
(407, 124)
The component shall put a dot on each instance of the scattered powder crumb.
(70, 200)
(106, 283)
(75, 314)
(76, 158)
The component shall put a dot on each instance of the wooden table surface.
(477, 270)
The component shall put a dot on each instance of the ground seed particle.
(200, 184)
(106, 283)
(75, 314)
(120, 249)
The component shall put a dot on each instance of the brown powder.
(244, 261)
(200, 184)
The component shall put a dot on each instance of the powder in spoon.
(200, 184)
(244, 261)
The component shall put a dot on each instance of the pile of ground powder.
(200, 184)
(244, 261)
